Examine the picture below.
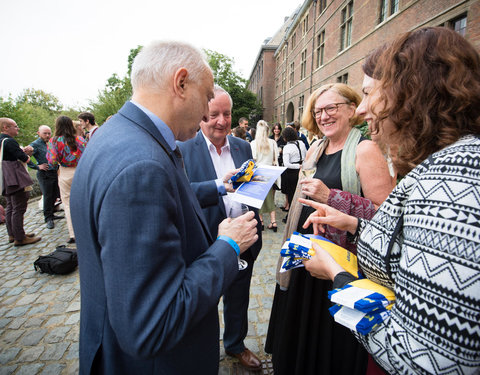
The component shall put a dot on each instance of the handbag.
(14, 176)
(1, 163)
(278, 183)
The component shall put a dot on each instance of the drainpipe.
(285, 69)
(313, 41)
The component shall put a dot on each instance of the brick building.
(325, 41)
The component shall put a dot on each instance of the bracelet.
(231, 242)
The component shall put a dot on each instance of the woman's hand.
(326, 215)
(315, 189)
(322, 265)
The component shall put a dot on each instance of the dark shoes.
(50, 224)
(27, 241)
(247, 359)
(57, 217)
(30, 235)
(273, 226)
(71, 240)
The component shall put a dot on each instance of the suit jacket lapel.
(205, 160)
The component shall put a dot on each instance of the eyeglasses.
(330, 110)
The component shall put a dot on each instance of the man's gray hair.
(217, 90)
(157, 62)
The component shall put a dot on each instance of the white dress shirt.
(223, 164)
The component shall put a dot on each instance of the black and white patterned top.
(433, 267)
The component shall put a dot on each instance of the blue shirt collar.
(165, 131)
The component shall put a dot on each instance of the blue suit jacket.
(150, 274)
(202, 175)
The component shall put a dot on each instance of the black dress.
(302, 336)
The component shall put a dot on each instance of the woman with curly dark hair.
(64, 150)
(422, 103)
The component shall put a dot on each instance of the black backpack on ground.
(62, 261)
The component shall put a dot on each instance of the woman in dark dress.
(302, 336)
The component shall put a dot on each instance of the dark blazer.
(202, 175)
(150, 274)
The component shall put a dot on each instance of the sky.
(70, 48)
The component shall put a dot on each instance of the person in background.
(89, 125)
(265, 152)
(243, 123)
(239, 133)
(64, 151)
(14, 189)
(338, 170)
(151, 274)
(300, 135)
(46, 175)
(424, 241)
(79, 129)
(211, 159)
(294, 153)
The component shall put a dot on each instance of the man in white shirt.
(211, 158)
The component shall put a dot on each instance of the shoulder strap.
(349, 176)
(299, 152)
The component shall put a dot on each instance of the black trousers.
(48, 181)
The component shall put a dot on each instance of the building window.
(276, 87)
(346, 26)
(292, 74)
(303, 67)
(301, 100)
(294, 39)
(305, 25)
(283, 82)
(322, 5)
(343, 78)
(459, 24)
(387, 8)
(320, 48)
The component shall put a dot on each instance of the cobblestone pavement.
(40, 313)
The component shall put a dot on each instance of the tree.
(245, 103)
(29, 110)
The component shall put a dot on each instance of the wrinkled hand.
(242, 229)
(226, 180)
(326, 215)
(322, 265)
(315, 189)
(43, 167)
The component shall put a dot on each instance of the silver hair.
(217, 89)
(157, 62)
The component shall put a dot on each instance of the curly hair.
(430, 85)
(64, 127)
(345, 91)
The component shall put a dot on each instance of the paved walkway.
(39, 313)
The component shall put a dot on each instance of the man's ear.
(180, 82)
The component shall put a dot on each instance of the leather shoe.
(11, 239)
(71, 240)
(247, 359)
(57, 217)
(50, 224)
(27, 241)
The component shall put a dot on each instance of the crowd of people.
(55, 160)
(160, 239)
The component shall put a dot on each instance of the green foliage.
(363, 127)
(31, 109)
(245, 103)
